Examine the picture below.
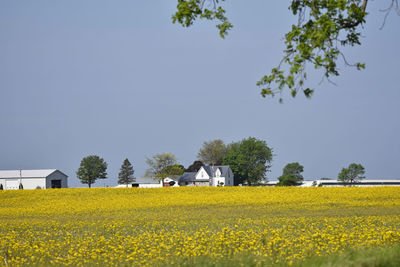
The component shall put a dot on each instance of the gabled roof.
(212, 169)
(191, 176)
(209, 169)
(27, 173)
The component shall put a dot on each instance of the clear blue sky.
(118, 79)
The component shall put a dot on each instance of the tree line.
(291, 174)
(250, 160)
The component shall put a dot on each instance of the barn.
(33, 179)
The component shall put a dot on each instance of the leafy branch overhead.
(189, 10)
(324, 28)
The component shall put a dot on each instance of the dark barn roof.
(187, 177)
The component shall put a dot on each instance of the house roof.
(187, 177)
(27, 173)
(212, 169)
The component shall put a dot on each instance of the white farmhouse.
(32, 179)
(208, 176)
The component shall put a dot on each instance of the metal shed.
(33, 179)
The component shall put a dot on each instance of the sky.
(117, 79)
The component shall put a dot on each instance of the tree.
(92, 168)
(291, 175)
(172, 171)
(249, 160)
(353, 174)
(125, 175)
(195, 167)
(158, 163)
(212, 152)
(323, 30)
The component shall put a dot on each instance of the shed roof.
(27, 173)
(187, 177)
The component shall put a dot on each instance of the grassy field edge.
(371, 257)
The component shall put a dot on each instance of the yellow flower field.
(166, 226)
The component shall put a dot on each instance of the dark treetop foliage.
(353, 174)
(324, 28)
(195, 167)
(291, 174)
(92, 168)
(249, 160)
(125, 175)
(212, 152)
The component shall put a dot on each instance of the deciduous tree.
(158, 163)
(92, 168)
(172, 171)
(352, 174)
(291, 175)
(212, 152)
(323, 30)
(126, 172)
(249, 160)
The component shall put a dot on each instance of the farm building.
(366, 182)
(33, 179)
(208, 176)
(151, 183)
(336, 183)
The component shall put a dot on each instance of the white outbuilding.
(33, 179)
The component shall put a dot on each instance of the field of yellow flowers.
(167, 226)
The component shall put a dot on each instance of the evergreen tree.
(125, 175)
